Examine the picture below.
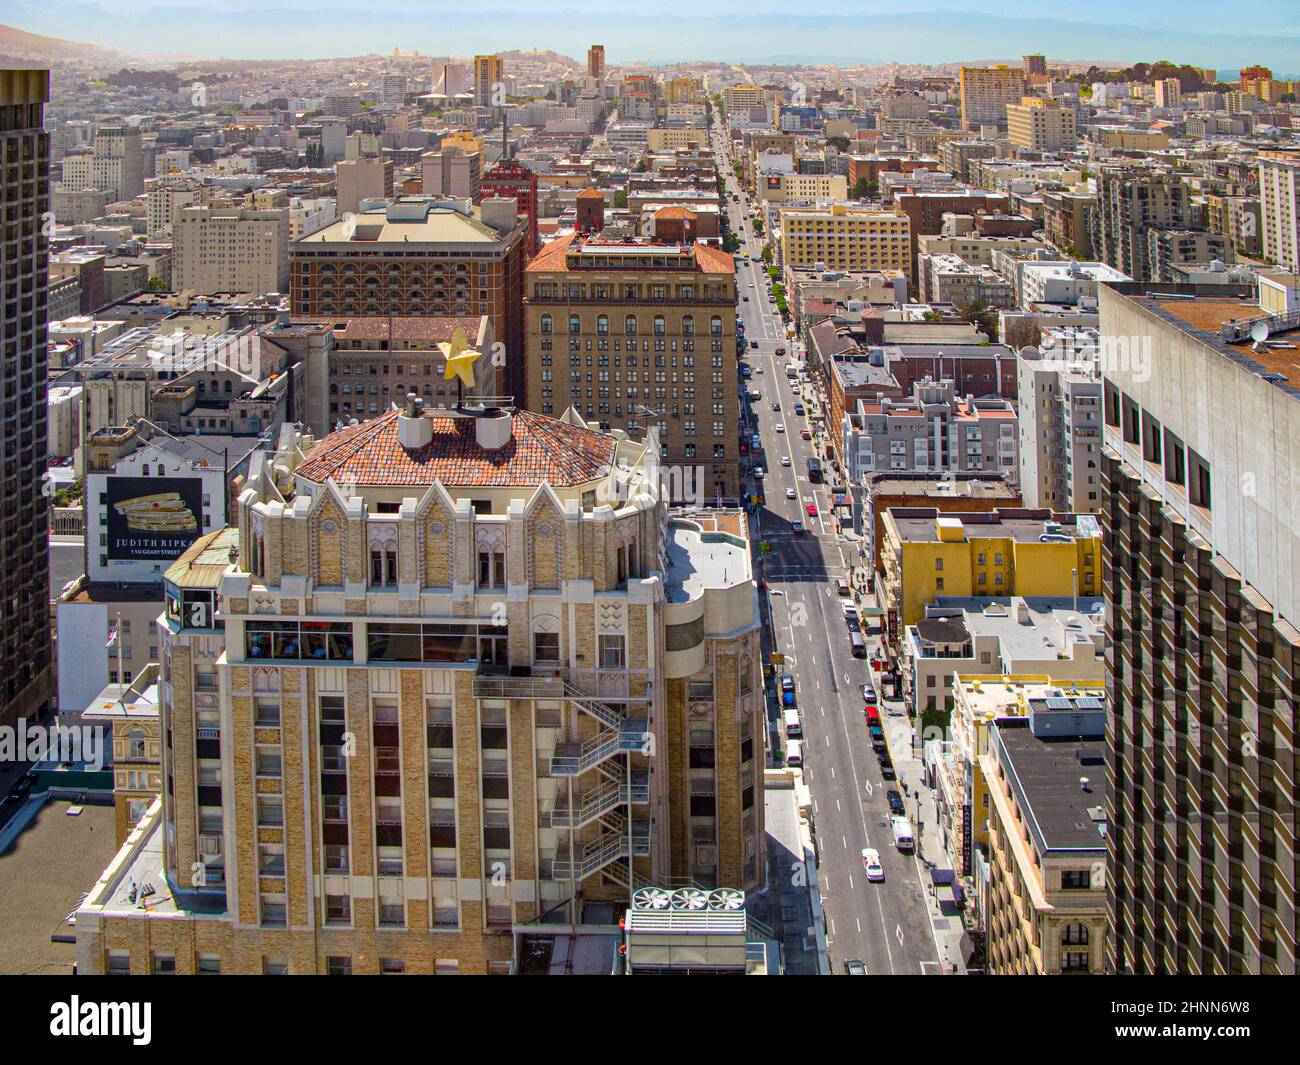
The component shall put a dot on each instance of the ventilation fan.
(690, 898)
(652, 898)
(727, 898)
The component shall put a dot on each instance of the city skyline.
(872, 34)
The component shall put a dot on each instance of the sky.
(1223, 33)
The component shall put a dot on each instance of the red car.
(873, 715)
(811, 510)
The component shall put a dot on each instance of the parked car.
(780, 351)
(887, 768)
(854, 967)
(877, 735)
(895, 801)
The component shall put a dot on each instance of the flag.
(112, 636)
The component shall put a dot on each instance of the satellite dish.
(1259, 331)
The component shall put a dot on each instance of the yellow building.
(927, 553)
(784, 188)
(684, 90)
(1132, 139)
(1042, 890)
(464, 139)
(743, 97)
(846, 238)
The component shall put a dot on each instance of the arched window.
(621, 564)
(688, 325)
(575, 324)
(715, 325)
(383, 565)
(602, 324)
(546, 319)
(659, 325)
(135, 745)
(492, 567)
(1074, 935)
(629, 325)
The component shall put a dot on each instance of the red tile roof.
(540, 449)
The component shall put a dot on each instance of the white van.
(792, 727)
(794, 755)
(902, 832)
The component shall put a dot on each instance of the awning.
(942, 876)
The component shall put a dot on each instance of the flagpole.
(118, 633)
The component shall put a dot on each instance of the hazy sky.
(1222, 33)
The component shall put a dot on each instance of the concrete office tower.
(1041, 125)
(231, 249)
(452, 172)
(1203, 596)
(27, 677)
(659, 322)
(596, 62)
(115, 162)
(168, 198)
(985, 93)
(489, 71)
(1279, 196)
(505, 684)
(363, 179)
(1035, 64)
(1129, 202)
(333, 139)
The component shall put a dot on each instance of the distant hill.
(32, 47)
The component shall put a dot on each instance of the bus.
(815, 470)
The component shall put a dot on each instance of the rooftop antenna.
(1259, 334)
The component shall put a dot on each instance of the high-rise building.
(1169, 92)
(27, 677)
(513, 181)
(452, 171)
(362, 179)
(1203, 601)
(1279, 204)
(845, 237)
(530, 704)
(168, 198)
(231, 249)
(1035, 64)
(596, 62)
(489, 73)
(1041, 124)
(985, 93)
(428, 258)
(640, 334)
(115, 162)
(1129, 202)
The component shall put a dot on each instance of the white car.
(785, 460)
(758, 369)
(758, 473)
(780, 427)
(871, 863)
(850, 610)
(789, 493)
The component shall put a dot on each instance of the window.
(1074, 935)
(338, 965)
(546, 646)
(391, 967)
(208, 965)
(1198, 476)
(270, 811)
(164, 965)
(275, 966)
(1074, 961)
(1075, 880)
(612, 652)
(338, 909)
(118, 963)
(383, 565)
(135, 744)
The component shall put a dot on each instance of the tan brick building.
(636, 334)
(452, 674)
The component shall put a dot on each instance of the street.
(885, 925)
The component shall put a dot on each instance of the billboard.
(153, 519)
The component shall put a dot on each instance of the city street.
(885, 925)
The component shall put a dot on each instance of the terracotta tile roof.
(674, 212)
(551, 257)
(591, 194)
(540, 449)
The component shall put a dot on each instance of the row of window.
(118, 963)
(659, 325)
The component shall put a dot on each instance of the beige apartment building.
(454, 679)
(743, 97)
(634, 335)
(230, 249)
(846, 238)
(362, 179)
(786, 188)
(1279, 196)
(985, 93)
(489, 71)
(168, 198)
(1045, 891)
(1041, 125)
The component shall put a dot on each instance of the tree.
(981, 316)
(620, 198)
(156, 284)
(864, 190)
(839, 143)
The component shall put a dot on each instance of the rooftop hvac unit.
(690, 899)
(726, 899)
(651, 898)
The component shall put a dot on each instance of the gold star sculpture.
(460, 358)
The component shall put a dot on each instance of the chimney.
(492, 429)
(414, 430)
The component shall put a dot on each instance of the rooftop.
(1046, 778)
(702, 554)
(540, 449)
(921, 525)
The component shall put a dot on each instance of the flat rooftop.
(703, 553)
(915, 525)
(43, 875)
(1046, 777)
